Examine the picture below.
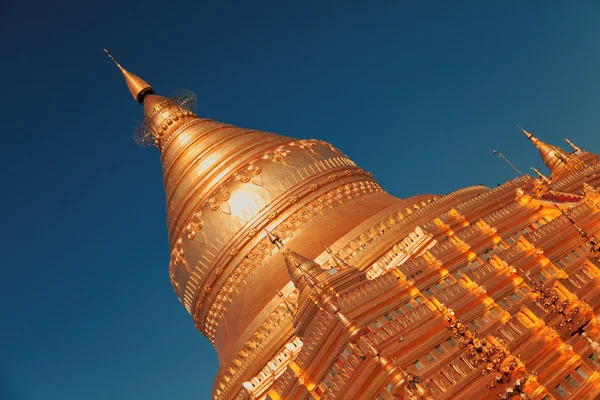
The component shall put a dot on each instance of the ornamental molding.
(254, 257)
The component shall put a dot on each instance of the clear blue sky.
(417, 94)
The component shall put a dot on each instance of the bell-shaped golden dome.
(224, 186)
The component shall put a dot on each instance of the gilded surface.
(476, 294)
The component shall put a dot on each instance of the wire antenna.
(508, 162)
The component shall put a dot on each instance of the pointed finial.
(397, 376)
(372, 349)
(554, 157)
(273, 238)
(290, 307)
(112, 58)
(559, 154)
(355, 333)
(340, 264)
(527, 134)
(302, 270)
(573, 145)
(137, 86)
(542, 176)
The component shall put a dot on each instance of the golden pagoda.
(312, 282)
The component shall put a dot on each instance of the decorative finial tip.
(573, 145)
(528, 134)
(112, 58)
(374, 350)
(273, 238)
(137, 86)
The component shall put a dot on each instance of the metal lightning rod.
(508, 162)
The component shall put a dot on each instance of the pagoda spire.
(396, 375)
(573, 145)
(341, 264)
(554, 157)
(292, 308)
(303, 271)
(355, 332)
(527, 134)
(542, 176)
(400, 380)
(138, 87)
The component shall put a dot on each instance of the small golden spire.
(273, 238)
(137, 86)
(399, 379)
(542, 176)
(573, 145)
(372, 349)
(355, 333)
(292, 309)
(341, 264)
(554, 157)
(302, 270)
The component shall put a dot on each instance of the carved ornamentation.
(175, 285)
(540, 188)
(247, 352)
(310, 144)
(264, 247)
(219, 200)
(294, 199)
(250, 174)
(280, 154)
(177, 257)
(194, 226)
